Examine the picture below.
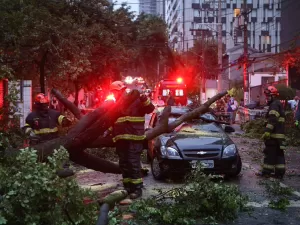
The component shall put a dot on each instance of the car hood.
(189, 137)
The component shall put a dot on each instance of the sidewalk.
(238, 129)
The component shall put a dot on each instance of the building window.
(265, 26)
(236, 12)
(266, 40)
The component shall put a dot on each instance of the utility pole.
(221, 81)
(246, 76)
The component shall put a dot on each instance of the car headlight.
(169, 151)
(229, 151)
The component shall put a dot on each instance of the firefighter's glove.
(134, 92)
(28, 130)
(297, 123)
(66, 122)
(266, 136)
(143, 98)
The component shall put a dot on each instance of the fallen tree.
(90, 128)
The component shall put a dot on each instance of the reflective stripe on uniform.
(279, 136)
(126, 180)
(130, 119)
(136, 181)
(274, 112)
(280, 166)
(270, 126)
(27, 125)
(133, 181)
(129, 137)
(46, 130)
(267, 166)
(281, 120)
(60, 119)
(147, 102)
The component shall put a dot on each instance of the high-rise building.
(148, 6)
(290, 18)
(161, 8)
(290, 35)
(264, 27)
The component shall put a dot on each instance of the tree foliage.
(198, 63)
(32, 193)
(80, 42)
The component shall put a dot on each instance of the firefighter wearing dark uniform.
(297, 115)
(42, 124)
(274, 138)
(128, 132)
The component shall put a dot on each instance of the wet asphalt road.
(248, 183)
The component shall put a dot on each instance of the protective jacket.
(131, 124)
(276, 120)
(297, 116)
(45, 127)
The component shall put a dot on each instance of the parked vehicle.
(197, 141)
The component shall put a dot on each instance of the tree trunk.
(67, 104)
(76, 84)
(164, 127)
(92, 126)
(42, 72)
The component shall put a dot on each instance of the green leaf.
(2, 220)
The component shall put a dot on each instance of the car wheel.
(238, 169)
(156, 169)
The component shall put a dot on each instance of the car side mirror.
(229, 129)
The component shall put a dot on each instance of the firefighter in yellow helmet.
(274, 138)
(128, 135)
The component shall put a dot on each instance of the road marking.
(285, 186)
(293, 204)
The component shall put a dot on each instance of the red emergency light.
(179, 80)
(110, 97)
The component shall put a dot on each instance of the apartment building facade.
(148, 7)
(187, 19)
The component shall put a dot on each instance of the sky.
(134, 4)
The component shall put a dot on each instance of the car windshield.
(205, 116)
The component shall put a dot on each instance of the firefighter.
(42, 124)
(297, 116)
(128, 135)
(274, 138)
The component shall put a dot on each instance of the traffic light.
(179, 80)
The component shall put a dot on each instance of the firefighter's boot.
(136, 191)
(127, 187)
(263, 174)
(65, 172)
(144, 172)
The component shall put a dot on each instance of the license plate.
(204, 163)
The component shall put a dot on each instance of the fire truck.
(176, 87)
